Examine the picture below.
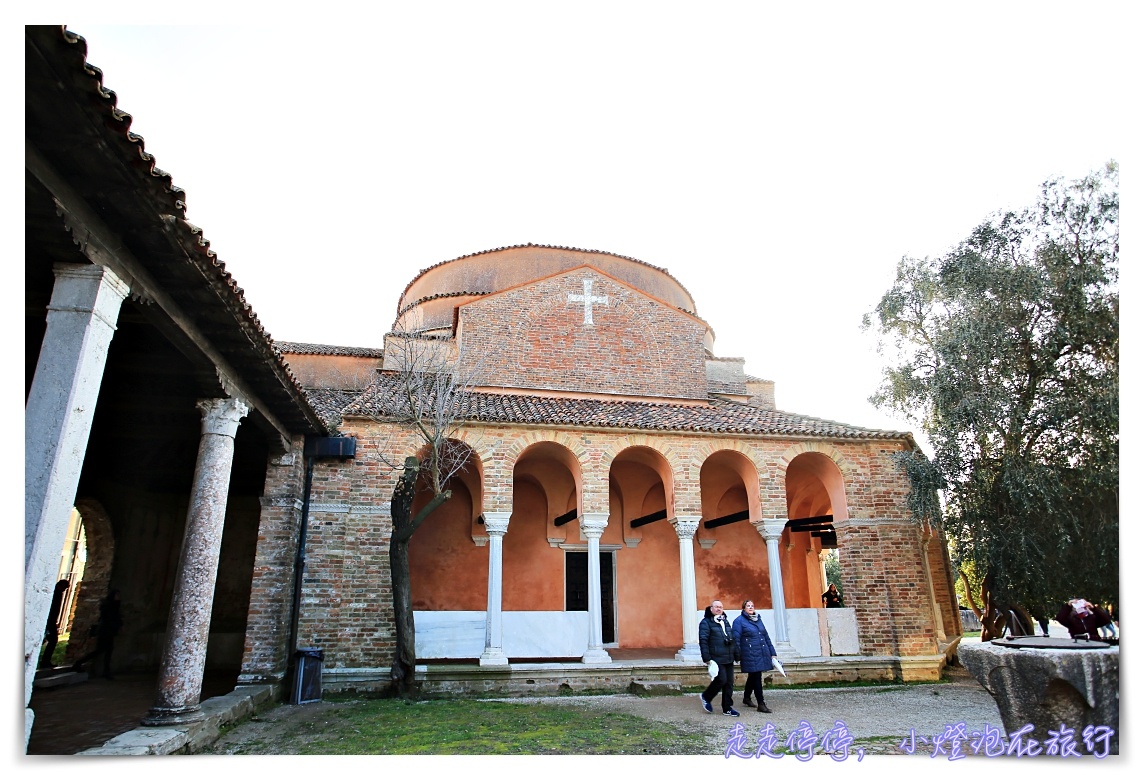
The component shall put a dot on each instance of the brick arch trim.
(96, 574)
(669, 454)
(674, 460)
(708, 448)
(848, 469)
(518, 445)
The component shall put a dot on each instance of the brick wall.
(272, 586)
(884, 581)
(534, 337)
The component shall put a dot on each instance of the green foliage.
(61, 651)
(1005, 352)
(833, 570)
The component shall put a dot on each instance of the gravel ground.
(883, 711)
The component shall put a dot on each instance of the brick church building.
(235, 492)
(622, 476)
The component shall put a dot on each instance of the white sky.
(778, 162)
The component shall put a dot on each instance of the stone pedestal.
(1050, 687)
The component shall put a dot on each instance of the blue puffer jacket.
(754, 643)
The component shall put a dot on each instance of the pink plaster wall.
(734, 569)
(446, 570)
(647, 583)
(533, 569)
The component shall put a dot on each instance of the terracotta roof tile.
(717, 416)
(300, 348)
(330, 403)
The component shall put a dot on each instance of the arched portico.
(448, 570)
(816, 499)
(648, 564)
(731, 563)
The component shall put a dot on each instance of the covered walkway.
(80, 713)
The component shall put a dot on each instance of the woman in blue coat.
(755, 652)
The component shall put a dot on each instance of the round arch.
(96, 580)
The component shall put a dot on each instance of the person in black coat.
(832, 598)
(756, 652)
(52, 629)
(110, 621)
(717, 643)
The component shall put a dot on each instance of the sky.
(777, 161)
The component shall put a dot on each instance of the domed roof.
(429, 300)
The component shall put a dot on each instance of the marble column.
(822, 556)
(496, 525)
(772, 531)
(592, 525)
(685, 528)
(61, 402)
(188, 625)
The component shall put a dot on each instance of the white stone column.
(592, 525)
(771, 531)
(685, 528)
(188, 625)
(81, 321)
(496, 525)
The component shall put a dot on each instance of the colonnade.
(81, 321)
(592, 526)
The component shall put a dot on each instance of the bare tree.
(423, 388)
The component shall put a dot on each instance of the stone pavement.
(74, 717)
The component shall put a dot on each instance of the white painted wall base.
(526, 634)
(565, 634)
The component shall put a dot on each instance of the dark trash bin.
(307, 675)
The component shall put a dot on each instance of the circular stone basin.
(1050, 643)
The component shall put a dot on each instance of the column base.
(493, 656)
(173, 716)
(785, 650)
(689, 653)
(596, 655)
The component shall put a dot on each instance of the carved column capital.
(685, 526)
(222, 415)
(770, 528)
(592, 524)
(496, 523)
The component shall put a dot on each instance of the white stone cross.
(588, 299)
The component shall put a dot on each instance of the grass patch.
(463, 727)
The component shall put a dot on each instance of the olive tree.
(1005, 352)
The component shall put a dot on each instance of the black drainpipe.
(329, 447)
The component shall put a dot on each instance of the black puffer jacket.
(717, 642)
